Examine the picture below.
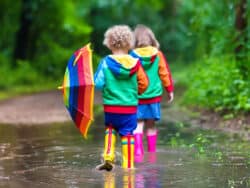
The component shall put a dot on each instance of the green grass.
(28, 89)
(24, 79)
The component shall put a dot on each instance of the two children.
(122, 79)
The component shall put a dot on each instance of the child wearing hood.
(156, 67)
(121, 78)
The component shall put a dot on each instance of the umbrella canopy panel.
(78, 88)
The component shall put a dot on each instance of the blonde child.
(121, 78)
(156, 67)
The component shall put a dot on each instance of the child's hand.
(170, 97)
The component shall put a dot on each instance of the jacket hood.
(123, 66)
(146, 54)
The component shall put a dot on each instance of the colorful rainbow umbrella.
(78, 88)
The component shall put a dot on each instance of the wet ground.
(55, 155)
(35, 109)
(36, 152)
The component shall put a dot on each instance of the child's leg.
(138, 135)
(109, 149)
(128, 151)
(139, 128)
(151, 135)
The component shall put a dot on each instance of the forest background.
(207, 45)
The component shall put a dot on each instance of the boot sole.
(108, 166)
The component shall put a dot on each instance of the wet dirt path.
(48, 107)
(40, 108)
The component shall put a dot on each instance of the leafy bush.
(24, 78)
(218, 84)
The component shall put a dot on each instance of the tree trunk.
(22, 36)
(241, 27)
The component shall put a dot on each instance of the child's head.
(119, 37)
(144, 36)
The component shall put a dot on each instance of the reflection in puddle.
(57, 156)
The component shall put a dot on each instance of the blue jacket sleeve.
(99, 78)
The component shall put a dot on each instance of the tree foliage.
(45, 32)
(38, 37)
(218, 84)
(220, 79)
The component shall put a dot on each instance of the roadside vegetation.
(206, 43)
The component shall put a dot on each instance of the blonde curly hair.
(119, 37)
(144, 36)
